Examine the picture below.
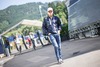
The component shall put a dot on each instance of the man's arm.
(59, 26)
(44, 27)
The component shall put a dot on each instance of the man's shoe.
(60, 61)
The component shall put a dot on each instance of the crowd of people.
(19, 41)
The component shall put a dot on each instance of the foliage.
(23, 29)
(16, 13)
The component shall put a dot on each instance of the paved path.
(5, 59)
(91, 59)
(45, 57)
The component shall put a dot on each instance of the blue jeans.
(56, 42)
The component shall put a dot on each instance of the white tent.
(25, 22)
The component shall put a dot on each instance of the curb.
(4, 60)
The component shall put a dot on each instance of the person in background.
(39, 36)
(23, 40)
(7, 44)
(32, 39)
(29, 42)
(52, 26)
(11, 40)
(18, 43)
(1, 45)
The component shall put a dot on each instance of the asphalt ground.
(45, 56)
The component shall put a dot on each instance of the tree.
(16, 13)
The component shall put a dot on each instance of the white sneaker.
(60, 61)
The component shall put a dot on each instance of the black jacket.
(51, 25)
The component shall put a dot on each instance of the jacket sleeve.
(44, 27)
(59, 24)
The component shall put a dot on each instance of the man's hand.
(58, 31)
(49, 33)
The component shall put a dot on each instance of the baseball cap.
(50, 9)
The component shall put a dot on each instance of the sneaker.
(60, 61)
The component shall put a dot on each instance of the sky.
(5, 3)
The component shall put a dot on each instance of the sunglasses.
(50, 11)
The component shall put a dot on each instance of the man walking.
(52, 27)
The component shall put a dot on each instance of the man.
(18, 42)
(39, 36)
(52, 27)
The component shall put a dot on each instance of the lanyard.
(50, 21)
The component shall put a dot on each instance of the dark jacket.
(51, 25)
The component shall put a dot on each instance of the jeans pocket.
(51, 37)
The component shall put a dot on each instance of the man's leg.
(58, 39)
(9, 49)
(54, 43)
(33, 42)
(20, 48)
